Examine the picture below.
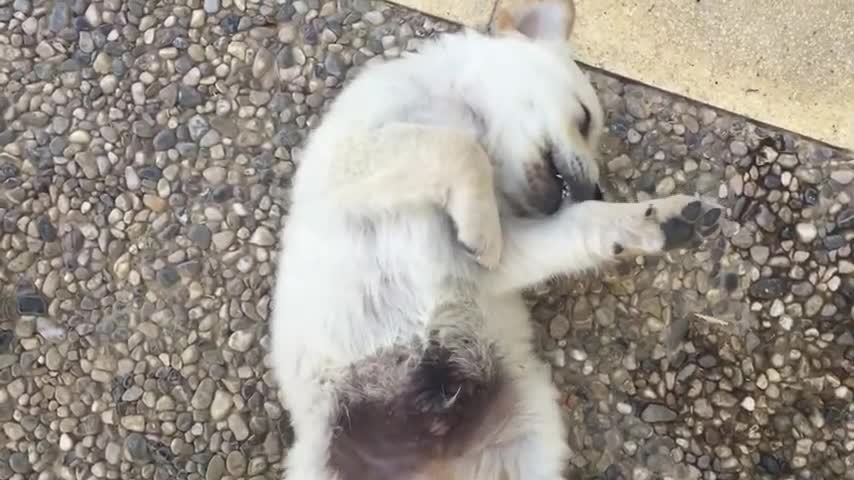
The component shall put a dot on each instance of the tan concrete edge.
(786, 63)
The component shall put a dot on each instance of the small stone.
(623, 162)
(154, 203)
(215, 175)
(113, 453)
(238, 427)
(200, 235)
(168, 276)
(636, 107)
(241, 340)
(204, 394)
(842, 177)
(724, 399)
(215, 469)
(655, 413)
(738, 148)
(165, 404)
(235, 463)
(335, 64)
(262, 237)
(164, 140)
(221, 405)
(559, 327)
(14, 431)
(769, 288)
(189, 97)
(777, 308)
(103, 64)
(192, 77)
(137, 91)
(806, 232)
(760, 254)
(211, 6)
(197, 19)
(136, 448)
(374, 17)
(208, 140)
(197, 126)
(53, 359)
(132, 180)
(44, 50)
(47, 232)
(708, 361)
(21, 262)
(223, 240)
(666, 186)
(262, 63)
(19, 463)
(748, 403)
(134, 423)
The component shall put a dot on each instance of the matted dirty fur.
(435, 190)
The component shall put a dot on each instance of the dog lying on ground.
(436, 189)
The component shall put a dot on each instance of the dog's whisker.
(450, 401)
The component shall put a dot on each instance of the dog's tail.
(412, 408)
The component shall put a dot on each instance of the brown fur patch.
(438, 414)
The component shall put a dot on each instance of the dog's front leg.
(584, 236)
(403, 164)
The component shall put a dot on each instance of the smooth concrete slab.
(788, 63)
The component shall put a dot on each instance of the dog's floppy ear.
(539, 20)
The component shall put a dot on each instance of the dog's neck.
(446, 109)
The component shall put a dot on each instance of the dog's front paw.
(672, 223)
(479, 230)
(484, 243)
(688, 223)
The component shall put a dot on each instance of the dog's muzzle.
(551, 189)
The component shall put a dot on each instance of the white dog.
(401, 357)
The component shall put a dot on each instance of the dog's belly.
(347, 287)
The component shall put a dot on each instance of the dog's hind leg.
(528, 441)
(312, 412)
(585, 235)
(405, 165)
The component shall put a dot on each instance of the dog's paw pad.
(711, 218)
(677, 233)
(694, 222)
(692, 211)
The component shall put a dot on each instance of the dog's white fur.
(368, 250)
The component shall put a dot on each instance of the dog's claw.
(488, 253)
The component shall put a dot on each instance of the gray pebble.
(655, 413)
(215, 468)
(136, 448)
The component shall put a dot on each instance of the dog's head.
(542, 119)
